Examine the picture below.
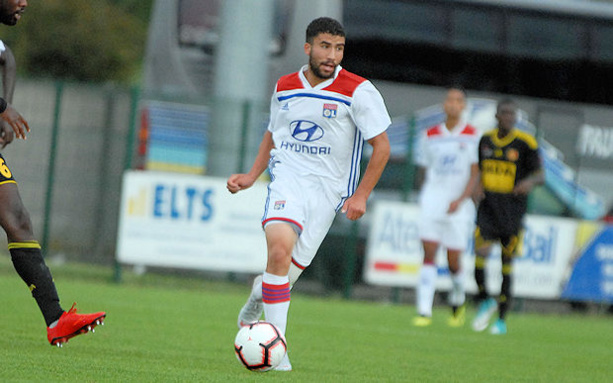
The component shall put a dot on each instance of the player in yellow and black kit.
(25, 251)
(510, 167)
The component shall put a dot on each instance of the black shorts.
(6, 176)
(511, 242)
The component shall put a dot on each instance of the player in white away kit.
(319, 119)
(449, 158)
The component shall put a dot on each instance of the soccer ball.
(260, 346)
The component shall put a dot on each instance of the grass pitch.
(168, 329)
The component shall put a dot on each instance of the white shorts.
(308, 203)
(453, 233)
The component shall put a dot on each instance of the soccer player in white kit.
(449, 158)
(319, 120)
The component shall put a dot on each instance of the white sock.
(276, 298)
(294, 274)
(425, 290)
(457, 296)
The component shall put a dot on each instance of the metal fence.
(69, 169)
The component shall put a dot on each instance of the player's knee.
(17, 224)
(279, 255)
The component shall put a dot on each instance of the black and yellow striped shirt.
(503, 164)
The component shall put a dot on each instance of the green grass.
(167, 329)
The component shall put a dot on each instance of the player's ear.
(307, 49)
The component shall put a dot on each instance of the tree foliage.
(84, 40)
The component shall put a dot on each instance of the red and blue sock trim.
(275, 293)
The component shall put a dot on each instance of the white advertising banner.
(394, 254)
(190, 221)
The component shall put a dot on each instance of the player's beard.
(7, 18)
(314, 66)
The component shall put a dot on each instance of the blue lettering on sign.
(540, 248)
(401, 235)
(182, 203)
(206, 204)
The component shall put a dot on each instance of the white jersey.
(320, 131)
(447, 156)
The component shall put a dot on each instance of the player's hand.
(15, 121)
(6, 134)
(453, 206)
(523, 188)
(238, 182)
(354, 207)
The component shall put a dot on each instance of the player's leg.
(457, 295)
(26, 253)
(28, 261)
(431, 232)
(254, 307)
(459, 230)
(510, 247)
(280, 240)
(482, 251)
(486, 305)
(426, 287)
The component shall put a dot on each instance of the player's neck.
(502, 133)
(313, 79)
(451, 123)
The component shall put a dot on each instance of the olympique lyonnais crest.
(279, 205)
(330, 110)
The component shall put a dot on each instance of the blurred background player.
(319, 119)
(510, 167)
(449, 171)
(24, 248)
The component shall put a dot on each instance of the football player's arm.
(12, 120)
(526, 185)
(355, 206)
(238, 182)
(536, 177)
(469, 190)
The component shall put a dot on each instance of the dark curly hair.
(324, 25)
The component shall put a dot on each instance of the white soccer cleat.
(253, 308)
(285, 364)
(487, 308)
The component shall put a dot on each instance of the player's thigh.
(484, 240)
(431, 229)
(457, 234)
(12, 210)
(285, 202)
(512, 244)
(319, 220)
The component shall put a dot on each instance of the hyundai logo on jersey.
(330, 110)
(306, 131)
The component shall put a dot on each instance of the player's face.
(454, 103)
(325, 54)
(506, 116)
(11, 11)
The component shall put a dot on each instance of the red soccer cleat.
(72, 324)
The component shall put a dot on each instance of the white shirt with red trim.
(447, 156)
(320, 131)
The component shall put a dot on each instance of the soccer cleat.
(253, 308)
(499, 327)
(487, 308)
(422, 321)
(285, 364)
(72, 324)
(458, 318)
